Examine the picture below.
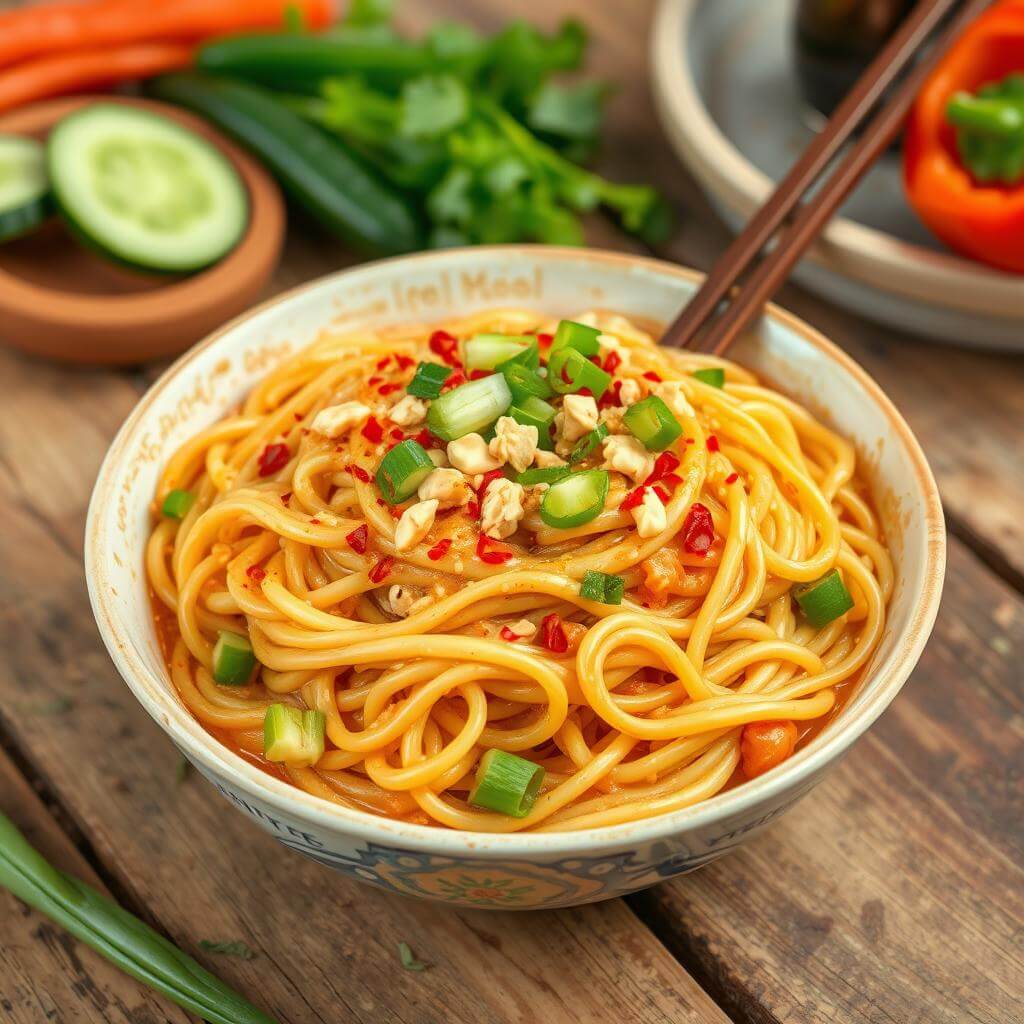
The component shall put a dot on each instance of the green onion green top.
(651, 422)
(233, 659)
(535, 412)
(575, 499)
(580, 337)
(487, 351)
(524, 382)
(402, 470)
(546, 475)
(470, 408)
(506, 783)
(713, 375)
(824, 600)
(569, 372)
(586, 444)
(177, 503)
(428, 380)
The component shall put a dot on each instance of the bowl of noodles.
(450, 578)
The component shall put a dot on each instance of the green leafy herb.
(408, 958)
(236, 948)
(432, 106)
(369, 12)
(568, 111)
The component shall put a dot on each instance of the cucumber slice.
(24, 190)
(144, 190)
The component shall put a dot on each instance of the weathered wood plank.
(45, 974)
(895, 892)
(327, 946)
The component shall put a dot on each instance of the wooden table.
(893, 894)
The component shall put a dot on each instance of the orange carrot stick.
(61, 27)
(88, 69)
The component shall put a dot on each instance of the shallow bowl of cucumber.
(80, 289)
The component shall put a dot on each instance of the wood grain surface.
(894, 894)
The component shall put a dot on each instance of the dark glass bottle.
(835, 40)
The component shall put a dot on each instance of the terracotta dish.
(61, 300)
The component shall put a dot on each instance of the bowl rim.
(171, 715)
(846, 248)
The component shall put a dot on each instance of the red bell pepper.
(982, 221)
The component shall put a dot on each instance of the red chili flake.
(662, 494)
(712, 442)
(358, 539)
(454, 380)
(596, 360)
(372, 431)
(612, 362)
(440, 549)
(387, 389)
(473, 510)
(491, 557)
(374, 381)
(445, 345)
(613, 396)
(397, 435)
(425, 439)
(732, 478)
(698, 530)
(314, 522)
(507, 634)
(634, 498)
(672, 481)
(552, 634)
(488, 478)
(585, 392)
(665, 464)
(479, 374)
(273, 459)
(690, 440)
(404, 362)
(565, 375)
(651, 375)
(285, 498)
(382, 570)
(299, 417)
(544, 340)
(256, 573)
(359, 473)
(383, 363)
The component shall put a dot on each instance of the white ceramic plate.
(729, 101)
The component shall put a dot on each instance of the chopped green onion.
(469, 408)
(428, 380)
(824, 600)
(402, 470)
(408, 958)
(177, 503)
(528, 357)
(293, 736)
(651, 422)
(524, 382)
(580, 337)
(602, 587)
(486, 351)
(506, 783)
(233, 659)
(713, 375)
(568, 372)
(538, 475)
(575, 499)
(535, 412)
(586, 444)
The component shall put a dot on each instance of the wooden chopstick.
(724, 305)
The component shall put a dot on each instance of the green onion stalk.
(124, 940)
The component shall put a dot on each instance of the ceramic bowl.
(473, 869)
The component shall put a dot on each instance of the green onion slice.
(568, 372)
(600, 586)
(428, 380)
(528, 357)
(470, 408)
(651, 422)
(575, 499)
(233, 659)
(506, 783)
(713, 375)
(535, 412)
(486, 351)
(177, 503)
(824, 600)
(580, 337)
(402, 470)
(586, 444)
(293, 736)
(524, 382)
(546, 475)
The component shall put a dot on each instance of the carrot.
(89, 69)
(765, 745)
(62, 27)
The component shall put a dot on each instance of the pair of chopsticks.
(742, 280)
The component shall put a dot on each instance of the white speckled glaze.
(472, 869)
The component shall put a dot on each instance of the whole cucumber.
(317, 171)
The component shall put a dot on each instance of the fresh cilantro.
(432, 106)
(569, 112)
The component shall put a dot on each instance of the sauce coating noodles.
(476, 636)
